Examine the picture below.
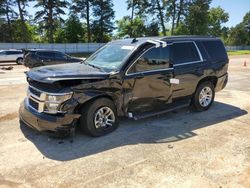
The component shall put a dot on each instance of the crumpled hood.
(71, 71)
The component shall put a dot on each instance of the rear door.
(188, 68)
(147, 81)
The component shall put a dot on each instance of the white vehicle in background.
(11, 56)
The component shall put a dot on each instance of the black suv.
(37, 58)
(135, 78)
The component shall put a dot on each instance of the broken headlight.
(54, 101)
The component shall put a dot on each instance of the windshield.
(110, 57)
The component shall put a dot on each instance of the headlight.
(60, 98)
(53, 102)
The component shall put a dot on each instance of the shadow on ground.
(167, 128)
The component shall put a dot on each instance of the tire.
(93, 122)
(203, 97)
(19, 61)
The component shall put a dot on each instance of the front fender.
(83, 93)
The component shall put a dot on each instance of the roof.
(10, 50)
(141, 40)
(41, 50)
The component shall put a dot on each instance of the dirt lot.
(179, 149)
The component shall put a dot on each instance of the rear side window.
(185, 52)
(153, 59)
(13, 52)
(46, 54)
(59, 55)
(215, 50)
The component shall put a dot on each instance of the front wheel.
(203, 97)
(99, 117)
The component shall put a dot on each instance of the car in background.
(11, 56)
(39, 57)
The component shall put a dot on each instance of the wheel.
(99, 117)
(19, 61)
(203, 97)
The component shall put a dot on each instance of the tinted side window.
(215, 50)
(46, 54)
(13, 52)
(153, 59)
(59, 55)
(185, 52)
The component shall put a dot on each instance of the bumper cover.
(44, 122)
(221, 82)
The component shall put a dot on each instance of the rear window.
(185, 52)
(215, 50)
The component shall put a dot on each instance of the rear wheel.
(99, 117)
(203, 97)
(19, 61)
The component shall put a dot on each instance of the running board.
(149, 114)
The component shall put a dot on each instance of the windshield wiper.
(91, 65)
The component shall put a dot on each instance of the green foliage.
(93, 21)
(133, 29)
(18, 34)
(240, 34)
(136, 28)
(217, 16)
(83, 7)
(49, 17)
(103, 24)
(197, 18)
(7, 14)
(74, 31)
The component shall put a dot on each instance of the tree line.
(94, 21)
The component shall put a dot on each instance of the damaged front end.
(53, 103)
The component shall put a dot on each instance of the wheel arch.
(212, 79)
(93, 98)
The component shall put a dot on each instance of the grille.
(35, 92)
(33, 104)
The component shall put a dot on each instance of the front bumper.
(44, 122)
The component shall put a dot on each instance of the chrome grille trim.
(41, 100)
(38, 99)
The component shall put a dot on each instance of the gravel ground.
(178, 149)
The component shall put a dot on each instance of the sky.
(236, 9)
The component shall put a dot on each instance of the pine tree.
(103, 23)
(83, 7)
(50, 15)
(7, 15)
(22, 14)
(198, 17)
